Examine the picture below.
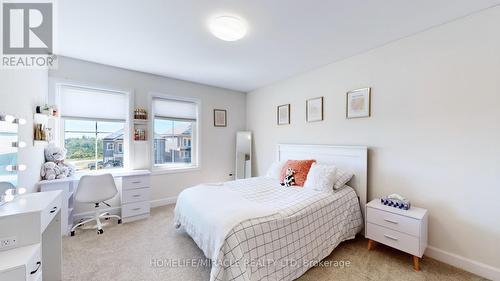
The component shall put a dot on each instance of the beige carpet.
(125, 252)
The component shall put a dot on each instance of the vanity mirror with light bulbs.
(243, 155)
(9, 165)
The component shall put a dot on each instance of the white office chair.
(95, 190)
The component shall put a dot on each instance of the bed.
(254, 229)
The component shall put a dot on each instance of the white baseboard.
(163, 202)
(464, 263)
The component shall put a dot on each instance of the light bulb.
(20, 144)
(20, 121)
(21, 190)
(7, 118)
(8, 198)
(9, 168)
(21, 167)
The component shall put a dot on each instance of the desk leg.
(52, 250)
(416, 263)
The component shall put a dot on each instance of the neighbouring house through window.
(93, 127)
(174, 127)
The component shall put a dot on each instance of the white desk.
(135, 195)
(33, 221)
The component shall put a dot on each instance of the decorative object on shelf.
(43, 128)
(42, 133)
(283, 113)
(54, 167)
(314, 109)
(358, 104)
(139, 134)
(9, 166)
(220, 118)
(49, 110)
(140, 114)
(396, 201)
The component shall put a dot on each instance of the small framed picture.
(284, 114)
(358, 103)
(220, 118)
(314, 109)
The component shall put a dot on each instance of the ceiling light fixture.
(228, 28)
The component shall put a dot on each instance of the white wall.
(217, 145)
(20, 92)
(435, 132)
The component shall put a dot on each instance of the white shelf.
(140, 121)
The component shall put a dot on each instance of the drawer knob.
(136, 209)
(391, 221)
(136, 182)
(390, 237)
(38, 264)
(136, 195)
(53, 210)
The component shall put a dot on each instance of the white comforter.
(225, 219)
(209, 212)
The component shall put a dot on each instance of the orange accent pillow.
(301, 168)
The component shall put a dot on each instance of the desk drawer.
(50, 212)
(135, 209)
(135, 182)
(34, 267)
(397, 240)
(135, 195)
(394, 221)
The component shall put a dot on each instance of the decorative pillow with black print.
(289, 179)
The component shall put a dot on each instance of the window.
(93, 127)
(175, 132)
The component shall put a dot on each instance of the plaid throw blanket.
(285, 245)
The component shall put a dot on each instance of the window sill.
(159, 170)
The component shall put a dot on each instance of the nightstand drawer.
(394, 221)
(395, 239)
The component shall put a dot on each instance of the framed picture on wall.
(358, 103)
(314, 109)
(283, 112)
(220, 118)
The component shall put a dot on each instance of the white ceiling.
(286, 37)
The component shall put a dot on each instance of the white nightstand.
(405, 230)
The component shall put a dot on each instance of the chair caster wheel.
(119, 221)
(72, 233)
(100, 231)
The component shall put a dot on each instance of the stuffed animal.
(54, 153)
(289, 179)
(50, 171)
(55, 168)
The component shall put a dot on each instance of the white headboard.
(348, 158)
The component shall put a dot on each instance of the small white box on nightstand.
(405, 230)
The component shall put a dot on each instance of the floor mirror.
(243, 155)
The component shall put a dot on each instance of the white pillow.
(341, 178)
(275, 170)
(321, 177)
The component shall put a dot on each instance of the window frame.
(110, 144)
(54, 97)
(195, 149)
